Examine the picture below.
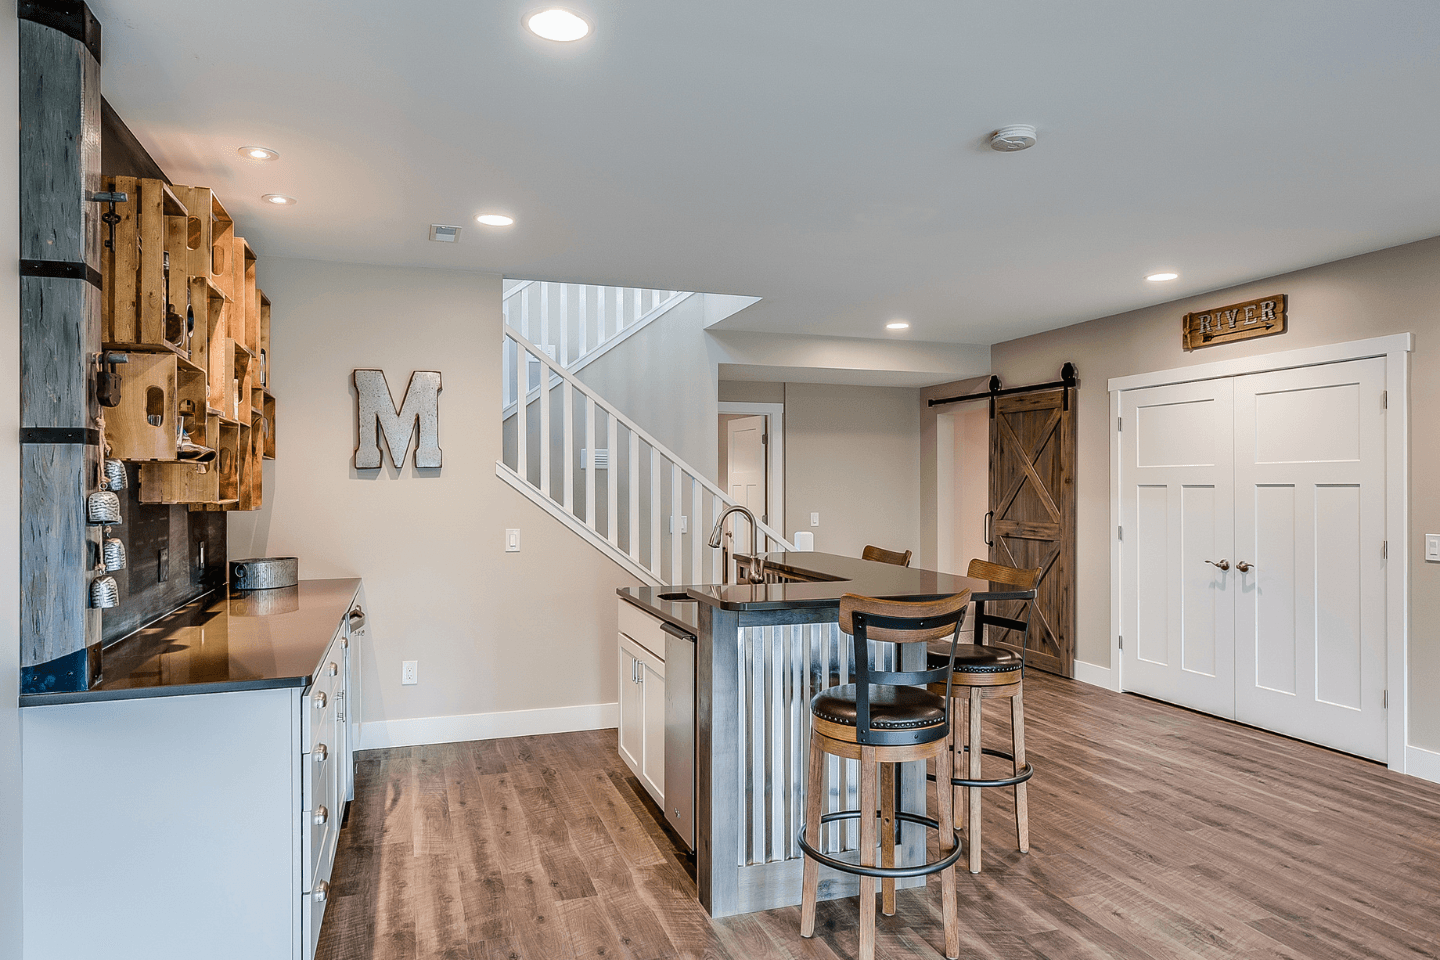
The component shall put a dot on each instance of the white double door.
(1281, 478)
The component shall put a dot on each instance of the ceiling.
(829, 157)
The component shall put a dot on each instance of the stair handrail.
(576, 383)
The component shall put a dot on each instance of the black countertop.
(221, 643)
(841, 575)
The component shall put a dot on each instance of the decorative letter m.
(377, 409)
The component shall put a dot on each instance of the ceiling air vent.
(441, 233)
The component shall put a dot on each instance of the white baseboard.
(1095, 676)
(415, 731)
(1422, 763)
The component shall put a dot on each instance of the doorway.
(1253, 573)
(752, 461)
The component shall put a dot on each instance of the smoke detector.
(440, 233)
(1012, 138)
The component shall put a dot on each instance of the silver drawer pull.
(319, 700)
(321, 815)
(334, 670)
(322, 753)
(322, 891)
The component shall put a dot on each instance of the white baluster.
(569, 447)
(677, 554)
(546, 486)
(635, 305)
(655, 512)
(583, 334)
(633, 481)
(697, 532)
(600, 317)
(525, 313)
(522, 359)
(590, 464)
(612, 478)
(564, 357)
(544, 342)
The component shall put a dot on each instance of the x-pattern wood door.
(1032, 498)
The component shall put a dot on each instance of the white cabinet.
(642, 698)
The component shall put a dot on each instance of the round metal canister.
(264, 573)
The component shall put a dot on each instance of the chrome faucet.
(757, 570)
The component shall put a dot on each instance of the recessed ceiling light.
(1013, 138)
(259, 153)
(495, 219)
(558, 25)
(279, 199)
(897, 325)
(1161, 277)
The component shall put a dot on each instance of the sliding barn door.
(1032, 498)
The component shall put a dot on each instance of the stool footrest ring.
(860, 869)
(1025, 773)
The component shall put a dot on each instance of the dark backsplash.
(146, 530)
(149, 528)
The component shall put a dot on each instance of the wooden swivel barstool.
(983, 673)
(881, 555)
(885, 718)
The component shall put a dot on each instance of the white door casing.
(1310, 522)
(1394, 351)
(1178, 610)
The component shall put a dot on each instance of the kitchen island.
(761, 652)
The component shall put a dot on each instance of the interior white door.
(745, 480)
(1310, 525)
(1177, 617)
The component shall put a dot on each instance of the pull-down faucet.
(757, 571)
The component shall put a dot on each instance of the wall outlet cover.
(1432, 547)
(410, 672)
(162, 566)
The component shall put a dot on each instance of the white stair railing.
(632, 498)
(577, 323)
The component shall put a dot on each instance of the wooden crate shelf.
(156, 387)
(143, 305)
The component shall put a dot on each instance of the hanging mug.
(102, 507)
(113, 552)
(115, 476)
(104, 592)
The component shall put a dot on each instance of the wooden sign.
(1238, 321)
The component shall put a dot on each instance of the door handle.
(1222, 564)
(1244, 566)
(988, 518)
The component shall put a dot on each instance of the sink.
(675, 597)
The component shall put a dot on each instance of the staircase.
(585, 462)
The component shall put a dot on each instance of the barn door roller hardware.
(1068, 381)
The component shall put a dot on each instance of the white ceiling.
(828, 156)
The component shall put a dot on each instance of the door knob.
(1222, 564)
(1244, 566)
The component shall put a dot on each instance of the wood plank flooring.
(1155, 833)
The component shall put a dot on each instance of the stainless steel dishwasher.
(680, 732)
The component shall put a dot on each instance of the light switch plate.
(1432, 547)
(512, 541)
(814, 519)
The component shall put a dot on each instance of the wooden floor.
(1156, 833)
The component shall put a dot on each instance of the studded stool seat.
(973, 658)
(891, 708)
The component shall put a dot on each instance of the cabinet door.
(632, 731)
(652, 697)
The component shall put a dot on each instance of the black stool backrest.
(899, 622)
(1011, 577)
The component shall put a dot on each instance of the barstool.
(983, 673)
(884, 718)
(881, 555)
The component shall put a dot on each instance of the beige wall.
(492, 631)
(1391, 291)
(853, 454)
(10, 812)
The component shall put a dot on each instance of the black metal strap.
(860, 869)
(57, 435)
(71, 17)
(61, 270)
(1025, 773)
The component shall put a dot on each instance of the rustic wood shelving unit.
(212, 376)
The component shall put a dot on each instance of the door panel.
(1032, 496)
(1310, 517)
(1177, 613)
(745, 469)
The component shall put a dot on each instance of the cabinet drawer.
(312, 910)
(643, 629)
(320, 818)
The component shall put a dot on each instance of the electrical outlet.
(162, 566)
(410, 672)
(512, 543)
(814, 519)
(1432, 547)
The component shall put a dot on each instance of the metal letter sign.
(377, 408)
